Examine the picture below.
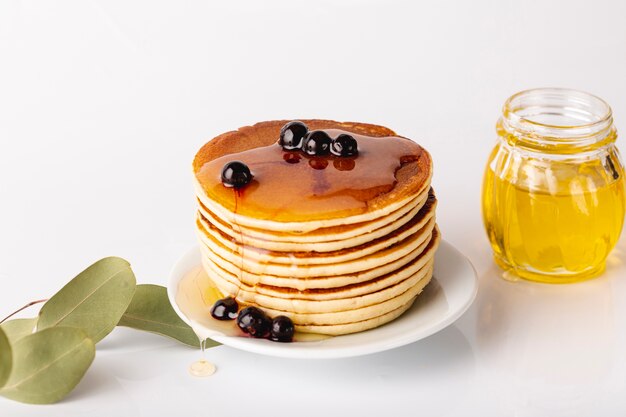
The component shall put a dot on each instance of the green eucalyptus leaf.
(151, 311)
(47, 365)
(6, 358)
(18, 328)
(93, 301)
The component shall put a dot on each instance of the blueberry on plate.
(317, 143)
(254, 321)
(225, 309)
(292, 134)
(236, 174)
(344, 145)
(282, 329)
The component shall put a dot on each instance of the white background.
(104, 103)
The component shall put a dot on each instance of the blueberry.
(282, 329)
(317, 143)
(225, 309)
(254, 321)
(236, 174)
(291, 135)
(344, 145)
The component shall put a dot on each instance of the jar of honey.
(553, 189)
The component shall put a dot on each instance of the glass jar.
(553, 189)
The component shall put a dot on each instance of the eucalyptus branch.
(67, 322)
(32, 303)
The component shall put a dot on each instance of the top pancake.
(296, 193)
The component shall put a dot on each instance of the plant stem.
(23, 308)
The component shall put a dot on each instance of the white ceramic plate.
(443, 301)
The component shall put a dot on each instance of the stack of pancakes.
(331, 271)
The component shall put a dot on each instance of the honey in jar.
(553, 190)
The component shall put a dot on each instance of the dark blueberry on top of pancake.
(236, 174)
(292, 134)
(317, 143)
(344, 145)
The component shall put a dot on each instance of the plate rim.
(268, 348)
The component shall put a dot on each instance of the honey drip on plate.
(202, 367)
(195, 297)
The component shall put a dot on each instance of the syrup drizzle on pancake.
(237, 195)
(288, 185)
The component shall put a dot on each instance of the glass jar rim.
(543, 117)
(510, 107)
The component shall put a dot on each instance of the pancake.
(355, 327)
(324, 288)
(339, 244)
(354, 315)
(299, 306)
(343, 231)
(351, 264)
(322, 240)
(274, 200)
(234, 251)
(319, 282)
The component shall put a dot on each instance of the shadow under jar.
(553, 189)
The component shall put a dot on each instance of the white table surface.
(104, 103)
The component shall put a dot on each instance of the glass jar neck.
(557, 121)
